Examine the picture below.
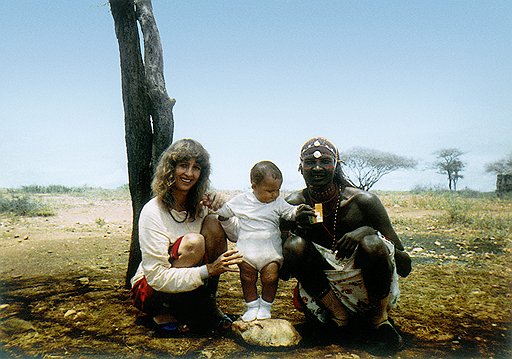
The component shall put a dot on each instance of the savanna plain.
(65, 252)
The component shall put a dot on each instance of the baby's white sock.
(252, 310)
(264, 310)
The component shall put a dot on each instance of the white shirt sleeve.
(231, 228)
(231, 225)
(286, 210)
(226, 211)
(154, 243)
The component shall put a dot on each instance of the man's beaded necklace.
(338, 202)
(337, 195)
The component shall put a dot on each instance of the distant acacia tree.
(365, 166)
(148, 117)
(449, 163)
(500, 167)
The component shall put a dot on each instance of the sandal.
(223, 324)
(385, 336)
(170, 330)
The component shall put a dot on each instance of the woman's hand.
(225, 263)
(346, 245)
(213, 201)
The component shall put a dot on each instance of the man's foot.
(223, 324)
(386, 338)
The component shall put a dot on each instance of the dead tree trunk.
(161, 103)
(144, 98)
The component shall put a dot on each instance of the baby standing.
(259, 237)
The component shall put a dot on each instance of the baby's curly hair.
(182, 151)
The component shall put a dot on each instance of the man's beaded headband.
(319, 142)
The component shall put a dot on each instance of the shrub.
(24, 206)
(53, 189)
(121, 192)
(459, 212)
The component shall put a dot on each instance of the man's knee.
(373, 255)
(373, 246)
(294, 248)
(373, 259)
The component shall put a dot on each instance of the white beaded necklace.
(338, 202)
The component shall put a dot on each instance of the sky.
(253, 80)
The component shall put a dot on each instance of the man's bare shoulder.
(360, 197)
(295, 198)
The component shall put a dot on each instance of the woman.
(183, 246)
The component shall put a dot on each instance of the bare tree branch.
(161, 103)
(365, 167)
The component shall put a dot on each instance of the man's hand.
(346, 245)
(225, 263)
(304, 212)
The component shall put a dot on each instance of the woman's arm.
(159, 273)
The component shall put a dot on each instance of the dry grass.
(456, 303)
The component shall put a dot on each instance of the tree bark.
(138, 133)
(149, 121)
(161, 103)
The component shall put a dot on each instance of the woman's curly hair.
(163, 183)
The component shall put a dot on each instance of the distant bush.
(121, 192)
(428, 189)
(483, 212)
(439, 190)
(24, 206)
(458, 211)
(53, 189)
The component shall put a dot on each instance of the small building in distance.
(503, 183)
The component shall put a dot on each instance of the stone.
(16, 326)
(69, 312)
(267, 333)
(83, 280)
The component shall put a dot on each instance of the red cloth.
(296, 300)
(140, 294)
(174, 249)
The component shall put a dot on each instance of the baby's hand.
(213, 201)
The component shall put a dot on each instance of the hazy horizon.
(254, 80)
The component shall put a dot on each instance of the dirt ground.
(62, 293)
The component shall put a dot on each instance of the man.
(347, 263)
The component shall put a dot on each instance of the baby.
(259, 237)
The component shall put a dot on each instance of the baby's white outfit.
(259, 237)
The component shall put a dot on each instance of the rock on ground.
(267, 333)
